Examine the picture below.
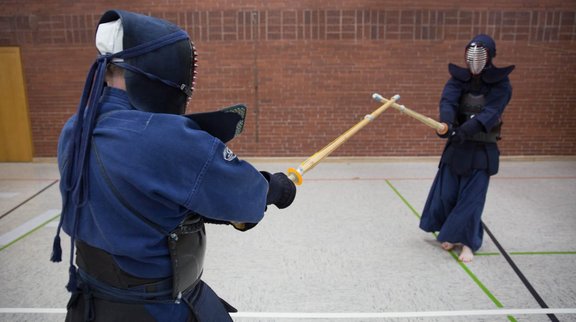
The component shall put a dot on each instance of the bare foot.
(466, 255)
(447, 246)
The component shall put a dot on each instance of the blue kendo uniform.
(161, 189)
(472, 106)
(140, 180)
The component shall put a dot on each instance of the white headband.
(109, 37)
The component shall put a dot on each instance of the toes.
(466, 255)
(447, 246)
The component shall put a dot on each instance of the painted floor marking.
(528, 253)
(341, 315)
(8, 195)
(462, 265)
(25, 201)
(52, 224)
(28, 227)
(380, 315)
(432, 178)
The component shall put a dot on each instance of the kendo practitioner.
(472, 104)
(140, 179)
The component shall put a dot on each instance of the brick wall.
(307, 69)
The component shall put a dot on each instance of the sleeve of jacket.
(450, 100)
(176, 167)
(228, 189)
(496, 101)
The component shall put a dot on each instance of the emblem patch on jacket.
(228, 154)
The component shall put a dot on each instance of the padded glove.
(281, 190)
(448, 132)
(466, 131)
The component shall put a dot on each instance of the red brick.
(307, 69)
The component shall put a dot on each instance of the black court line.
(25, 201)
(462, 265)
(523, 278)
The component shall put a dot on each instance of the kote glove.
(281, 190)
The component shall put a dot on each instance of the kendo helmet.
(160, 80)
(479, 53)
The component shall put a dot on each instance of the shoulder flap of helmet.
(495, 74)
(460, 73)
(224, 124)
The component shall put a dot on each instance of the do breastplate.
(470, 105)
(187, 245)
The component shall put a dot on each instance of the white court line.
(28, 226)
(380, 315)
(8, 195)
(351, 315)
(52, 224)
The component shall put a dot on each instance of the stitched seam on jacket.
(202, 172)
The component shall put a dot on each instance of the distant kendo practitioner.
(472, 104)
(140, 179)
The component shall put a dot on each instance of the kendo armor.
(476, 57)
(470, 105)
(162, 80)
(158, 81)
(479, 72)
(159, 62)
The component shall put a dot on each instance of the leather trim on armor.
(494, 75)
(460, 73)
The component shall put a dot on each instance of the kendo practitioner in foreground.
(140, 180)
(472, 104)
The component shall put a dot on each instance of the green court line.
(416, 213)
(462, 265)
(29, 233)
(529, 253)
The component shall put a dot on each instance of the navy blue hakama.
(454, 207)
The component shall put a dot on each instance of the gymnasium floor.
(348, 249)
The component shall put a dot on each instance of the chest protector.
(470, 105)
(187, 244)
